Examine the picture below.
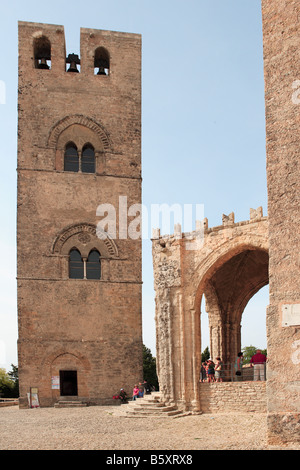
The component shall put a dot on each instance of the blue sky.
(203, 122)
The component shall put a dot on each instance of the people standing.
(203, 372)
(147, 387)
(211, 371)
(258, 361)
(219, 370)
(238, 366)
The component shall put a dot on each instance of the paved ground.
(94, 428)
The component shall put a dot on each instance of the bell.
(101, 71)
(73, 68)
(43, 64)
(73, 60)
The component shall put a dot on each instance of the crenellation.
(228, 219)
(202, 227)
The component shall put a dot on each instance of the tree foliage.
(149, 367)
(9, 383)
(249, 351)
(205, 354)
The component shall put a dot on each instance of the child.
(135, 393)
(210, 371)
(141, 390)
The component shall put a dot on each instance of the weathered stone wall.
(91, 326)
(281, 42)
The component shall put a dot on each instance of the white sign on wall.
(290, 315)
(55, 382)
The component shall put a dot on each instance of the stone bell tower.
(79, 147)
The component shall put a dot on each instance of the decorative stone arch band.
(51, 357)
(68, 121)
(87, 237)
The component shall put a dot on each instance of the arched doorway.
(227, 287)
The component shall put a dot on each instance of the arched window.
(101, 61)
(88, 159)
(76, 266)
(93, 265)
(71, 161)
(42, 53)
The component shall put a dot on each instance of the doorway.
(68, 382)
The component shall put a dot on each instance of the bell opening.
(42, 53)
(101, 61)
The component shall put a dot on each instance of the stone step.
(150, 406)
(69, 404)
(153, 414)
(145, 403)
(159, 409)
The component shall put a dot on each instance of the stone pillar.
(164, 350)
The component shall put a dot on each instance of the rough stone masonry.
(79, 145)
(281, 45)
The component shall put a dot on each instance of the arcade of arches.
(227, 265)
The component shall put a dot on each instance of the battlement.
(102, 53)
(228, 221)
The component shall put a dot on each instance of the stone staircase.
(149, 406)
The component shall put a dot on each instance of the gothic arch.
(234, 273)
(85, 236)
(219, 256)
(68, 121)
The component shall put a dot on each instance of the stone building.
(79, 146)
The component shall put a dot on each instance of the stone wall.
(281, 41)
(233, 397)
